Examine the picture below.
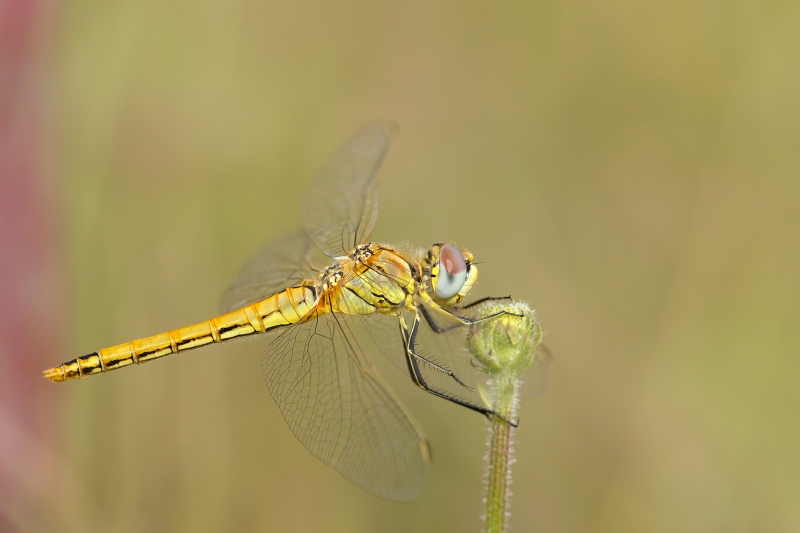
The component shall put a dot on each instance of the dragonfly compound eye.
(452, 272)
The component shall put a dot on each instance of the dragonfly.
(325, 320)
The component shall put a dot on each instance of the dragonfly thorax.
(362, 252)
(331, 276)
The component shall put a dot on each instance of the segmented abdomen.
(282, 309)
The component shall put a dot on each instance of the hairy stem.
(498, 475)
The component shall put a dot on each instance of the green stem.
(499, 476)
(500, 452)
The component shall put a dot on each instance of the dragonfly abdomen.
(281, 309)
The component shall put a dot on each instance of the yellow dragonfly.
(324, 320)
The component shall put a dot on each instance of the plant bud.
(504, 344)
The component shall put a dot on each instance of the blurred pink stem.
(30, 263)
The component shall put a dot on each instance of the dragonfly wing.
(384, 331)
(536, 379)
(338, 406)
(341, 208)
(282, 263)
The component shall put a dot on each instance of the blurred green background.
(630, 169)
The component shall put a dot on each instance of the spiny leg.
(412, 358)
(409, 340)
(462, 320)
(485, 299)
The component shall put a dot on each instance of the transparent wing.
(282, 263)
(339, 407)
(384, 331)
(537, 378)
(340, 209)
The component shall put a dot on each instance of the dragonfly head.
(450, 272)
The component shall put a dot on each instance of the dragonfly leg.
(462, 320)
(410, 341)
(412, 360)
(486, 299)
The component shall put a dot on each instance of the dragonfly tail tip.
(54, 374)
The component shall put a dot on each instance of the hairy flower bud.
(505, 344)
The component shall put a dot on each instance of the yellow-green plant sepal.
(505, 344)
